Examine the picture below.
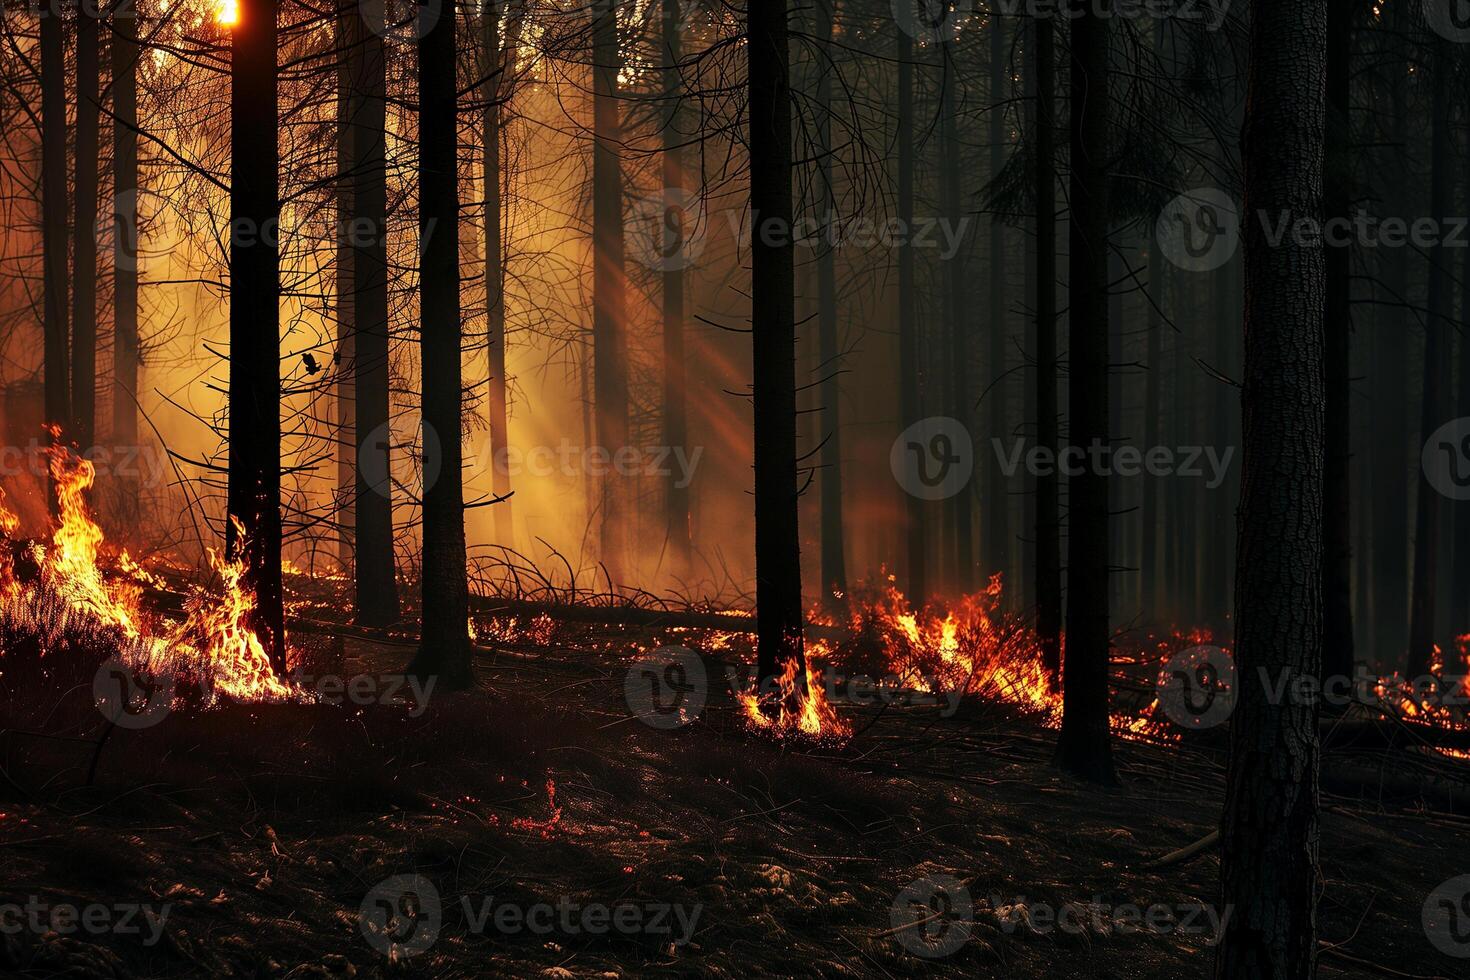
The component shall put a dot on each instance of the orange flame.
(972, 647)
(216, 644)
(812, 718)
(213, 648)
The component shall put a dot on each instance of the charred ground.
(264, 827)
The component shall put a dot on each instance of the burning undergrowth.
(972, 646)
(69, 604)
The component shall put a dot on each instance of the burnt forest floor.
(266, 830)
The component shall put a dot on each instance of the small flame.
(813, 717)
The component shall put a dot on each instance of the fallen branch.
(1184, 853)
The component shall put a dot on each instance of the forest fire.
(211, 653)
(868, 483)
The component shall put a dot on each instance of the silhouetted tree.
(254, 494)
(916, 517)
(57, 394)
(1084, 747)
(372, 509)
(444, 644)
(1437, 363)
(609, 282)
(780, 641)
(676, 402)
(834, 563)
(125, 53)
(1337, 551)
(1048, 562)
(496, 68)
(1268, 867)
(961, 505)
(997, 534)
(84, 227)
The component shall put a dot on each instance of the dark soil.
(263, 829)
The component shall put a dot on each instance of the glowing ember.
(542, 827)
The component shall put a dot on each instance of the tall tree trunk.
(779, 641)
(676, 401)
(1084, 747)
(1460, 574)
(1117, 525)
(348, 102)
(1027, 534)
(998, 535)
(1185, 515)
(609, 286)
(1391, 381)
(1268, 865)
(916, 516)
(1048, 562)
(254, 494)
(125, 227)
(1220, 508)
(1153, 435)
(499, 63)
(961, 509)
(374, 559)
(444, 646)
(1427, 529)
(57, 394)
(84, 228)
(1337, 526)
(834, 564)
